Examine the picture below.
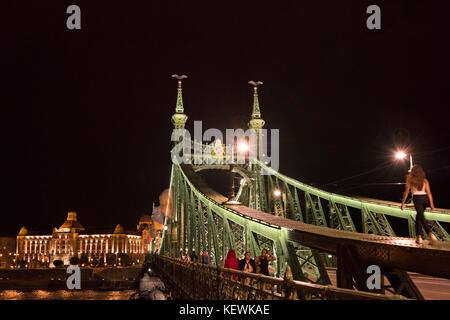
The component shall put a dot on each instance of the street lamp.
(279, 202)
(402, 155)
(243, 147)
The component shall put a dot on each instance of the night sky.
(86, 113)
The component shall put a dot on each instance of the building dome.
(23, 231)
(146, 219)
(71, 223)
(119, 229)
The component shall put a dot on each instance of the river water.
(65, 295)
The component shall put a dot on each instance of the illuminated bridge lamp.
(242, 147)
(402, 155)
(277, 193)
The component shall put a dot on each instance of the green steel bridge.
(307, 228)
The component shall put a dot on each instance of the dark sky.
(86, 114)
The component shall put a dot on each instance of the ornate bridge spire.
(179, 118)
(256, 122)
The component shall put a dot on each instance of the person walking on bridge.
(422, 198)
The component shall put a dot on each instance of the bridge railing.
(374, 213)
(188, 280)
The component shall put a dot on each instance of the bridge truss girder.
(373, 222)
(210, 227)
(251, 193)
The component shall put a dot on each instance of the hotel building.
(71, 239)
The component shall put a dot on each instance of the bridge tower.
(257, 123)
(179, 118)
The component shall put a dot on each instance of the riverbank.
(55, 279)
(65, 295)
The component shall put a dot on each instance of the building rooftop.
(72, 224)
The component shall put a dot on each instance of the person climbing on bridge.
(262, 262)
(231, 262)
(422, 198)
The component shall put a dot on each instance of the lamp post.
(402, 155)
(279, 202)
(242, 147)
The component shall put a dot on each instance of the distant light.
(277, 193)
(329, 256)
(242, 147)
(400, 155)
(166, 227)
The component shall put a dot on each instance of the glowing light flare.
(242, 147)
(400, 155)
(277, 193)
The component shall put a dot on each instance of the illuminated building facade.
(7, 250)
(94, 247)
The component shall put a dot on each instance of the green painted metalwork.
(314, 210)
(207, 225)
(212, 225)
(384, 208)
(375, 223)
(292, 210)
(439, 231)
(270, 190)
(253, 233)
(277, 203)
(340, 217)
(259, 191)
(411, 227)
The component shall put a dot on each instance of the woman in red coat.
(231, 262)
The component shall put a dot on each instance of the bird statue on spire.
(179, 77)
(255, 84)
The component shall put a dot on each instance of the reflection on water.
(65, 295)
